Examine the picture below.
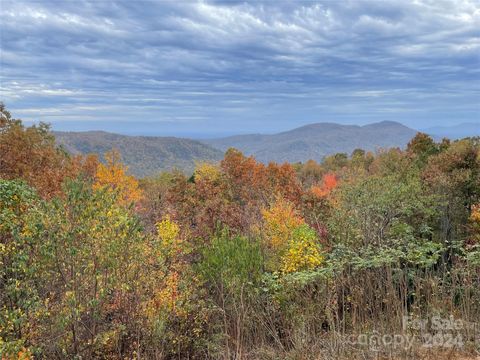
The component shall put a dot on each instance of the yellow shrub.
(303, 252)
(279, 222)
(293, 245)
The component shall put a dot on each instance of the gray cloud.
(239, 66)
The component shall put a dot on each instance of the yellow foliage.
(207, 172)
(475, 222)
(168, 232)
(280, 221)
(475, 216)
(293, 244)
(113, 175)
(166, 300)
(303, 251)
(167, 297)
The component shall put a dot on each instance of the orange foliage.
(113, 175)
(329, 183)
(85, 165)
(475, 223)
(252, 181)
(30, 153)
(244, 173)
(475, 216)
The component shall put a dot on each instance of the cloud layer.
(226, 67)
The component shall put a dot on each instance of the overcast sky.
(223, 66)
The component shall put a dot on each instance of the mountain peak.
(317, 140)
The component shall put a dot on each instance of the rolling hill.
(315, 141)
(145, 155)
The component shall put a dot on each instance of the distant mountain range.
(455, 132)
(317, 140)
(145, 155)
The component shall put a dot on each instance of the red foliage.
(328, 184)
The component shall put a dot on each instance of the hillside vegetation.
(144, 155)
(147, 155)
(242, 260)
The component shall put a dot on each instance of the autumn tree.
(252, 186)
(30, 153)
(335, 162)
(317, 203)
(253, 182)
(113, 175)
(162, 196)
(475, 224)
(422, 146)
(329, 182)
(85, 166)
(454, 177)
(171, 305)
(361, 160)
(310, 173)
(291, 244)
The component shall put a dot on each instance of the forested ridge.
(315, 141)
(241, 260)
(144, 155)
(149, 155)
